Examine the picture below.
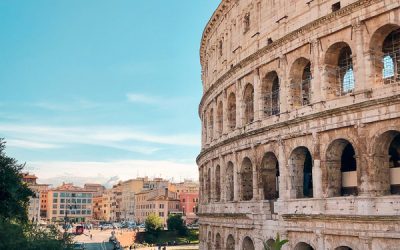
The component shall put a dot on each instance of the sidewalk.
(189, 247)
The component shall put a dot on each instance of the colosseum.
(301, 125)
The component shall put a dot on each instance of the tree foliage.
(176, 223)
(153, 224)
(16, 232)
(14, 194)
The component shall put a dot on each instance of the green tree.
(176, 223)
(14, 194)
(277, 244)
(153, 224)
(16, 232)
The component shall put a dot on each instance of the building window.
(55, 194)
(55, 200)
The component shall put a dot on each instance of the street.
(99, 240)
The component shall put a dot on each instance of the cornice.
(355, 218)
(320, 114)
(278, 43)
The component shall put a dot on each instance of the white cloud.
(30, 144)
(55, 172)
(123, 138)
(141, 98)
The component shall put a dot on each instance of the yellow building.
(70, 203)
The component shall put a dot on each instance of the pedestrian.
(91, 236)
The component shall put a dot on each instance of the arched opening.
(270, 93)
(230, 243)
(385, 46)
(218, 183)
(220, 118)
(342, 169)
(209, 241)
(229, 182)
(301, 164)
(300, 86)
(211, 124)
(339, 69)
(208, 185)
(247, 244)
(232, 111)
(343, 248)
(303, 246)
(218, 244)
(247, 180)
(270, 176)
(248, 99)
(270, 243)
(387, 162)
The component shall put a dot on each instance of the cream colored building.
(301, 125)
(161, 202)
(70, 203)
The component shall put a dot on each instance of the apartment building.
(161, 202)
(70, 203)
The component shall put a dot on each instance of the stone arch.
(208, 185)
(385, 47)
(246, 180)
(303, 246)
(232, 111)
(248, 103)
(270, 176)
(386, 160)
(218, 183)
(229, 182)
(270, 90)
(209, 241)
(339, 70)
(218, 243)
(230, 243)
(300, 164)
(300, 82)
(247, 244)
(343, 248)
(341, 167)
(270, 242)
(220, 118)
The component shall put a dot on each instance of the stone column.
(239, 104)
(358, 62)
(284, 84)
(257, 95)
(283, 172)
(256, 195)
(365, 171)
(236, 181)
(225, 128)
(316, 83)
(316, 170)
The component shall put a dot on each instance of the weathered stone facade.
(301, 125)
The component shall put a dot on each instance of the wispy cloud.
(30, 144)
(99, 172)
(123, 138)
(141, 98)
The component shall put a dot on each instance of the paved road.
(99, 240)
(98, 246)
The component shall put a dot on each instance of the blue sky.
(94, 89)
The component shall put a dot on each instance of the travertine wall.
(301, 125)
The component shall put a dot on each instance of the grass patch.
(165, 237)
